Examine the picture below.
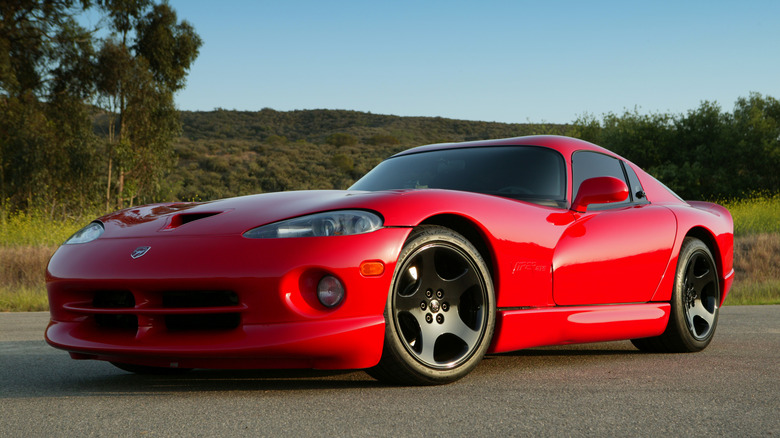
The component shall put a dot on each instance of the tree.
(139, 68)
(756, 146)
(45, 74)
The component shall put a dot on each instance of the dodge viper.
(439, 255)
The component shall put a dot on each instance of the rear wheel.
(440, 311)
(695, 301)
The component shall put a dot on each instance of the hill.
(225, 153)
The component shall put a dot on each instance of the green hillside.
(230, 153)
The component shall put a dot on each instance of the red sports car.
(438, 256)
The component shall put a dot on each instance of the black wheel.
(145, 369)
(695, 302)
(440, 311)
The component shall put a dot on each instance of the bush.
(341, 139)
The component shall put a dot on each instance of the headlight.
(332, 223)
(87, 234)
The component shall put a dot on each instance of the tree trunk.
(108, 186)
(121, 188)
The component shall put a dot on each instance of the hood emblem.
(140, 251)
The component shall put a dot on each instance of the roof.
(564, 145)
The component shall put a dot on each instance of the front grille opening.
(216, 321)
(200, 298)
(113, 299)
(124, 322)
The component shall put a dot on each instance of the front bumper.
(221, 301)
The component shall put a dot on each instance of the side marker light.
(372, 268)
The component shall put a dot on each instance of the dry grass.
(757, 257)
(756, 262)
(757, 270)
(22, 277)
(24, 265)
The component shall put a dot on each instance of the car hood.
(227, 216)
(398, 208)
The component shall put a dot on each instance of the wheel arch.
(722, 249)
(473, 233)
(708, 238)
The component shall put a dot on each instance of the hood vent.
(185, 218)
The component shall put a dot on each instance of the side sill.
(517, 329)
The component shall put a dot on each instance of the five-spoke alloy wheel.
(695, 301)
(440, 312)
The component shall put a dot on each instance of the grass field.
(756, 215)
(28, 241)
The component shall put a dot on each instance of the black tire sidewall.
(394, 346)
(678, 322)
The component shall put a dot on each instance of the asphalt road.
(730, 389)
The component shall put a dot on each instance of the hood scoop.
(185, 218)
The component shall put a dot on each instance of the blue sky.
(506, 61)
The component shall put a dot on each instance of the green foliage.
(230, 153)
(136, 81)
(382, 140)
(45, 133)
(25, 299)
(36, 228)
(344, 163)
(756, 214)
(751, 293)
(706, 153)
(341, 139)
(169, 46)
(50, 75)
(316, 125)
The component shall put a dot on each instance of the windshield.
(529, 173)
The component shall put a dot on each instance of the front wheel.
(695, 301)
(440, 311)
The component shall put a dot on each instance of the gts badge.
(140, 252)
(529, 266)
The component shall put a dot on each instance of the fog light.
(330, 291)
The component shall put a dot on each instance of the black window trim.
(632, 202)
(631, 194)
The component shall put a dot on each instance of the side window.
(634, 186)
(586, 164)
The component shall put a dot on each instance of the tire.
(440, 312)
(149, 370)
(695, 301)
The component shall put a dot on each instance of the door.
(613, 253)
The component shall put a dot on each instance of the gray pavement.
(607, 389)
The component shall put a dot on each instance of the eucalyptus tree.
(140, 66)
(45, 77)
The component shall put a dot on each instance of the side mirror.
(599, 190)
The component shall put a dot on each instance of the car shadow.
(32, 369)
(200, 380)
(594, 349)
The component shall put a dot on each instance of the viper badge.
(140, 251)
